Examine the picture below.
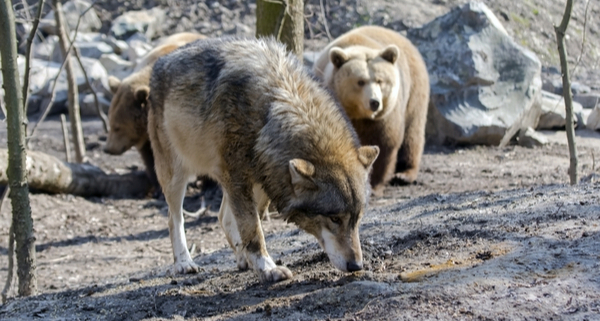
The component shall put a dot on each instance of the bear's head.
(127, 116)
(365, 80)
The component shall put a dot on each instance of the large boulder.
(482, 82)
(72, 10)
(144, 21)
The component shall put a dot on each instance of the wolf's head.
(328, 202)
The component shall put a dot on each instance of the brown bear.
(381, 80)
(128, 115)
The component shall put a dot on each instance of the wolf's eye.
(361, 83)
(336, 220)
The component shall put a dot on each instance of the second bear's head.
(366, 81)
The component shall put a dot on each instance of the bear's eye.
(361, 83)
(379, 81)
(116, 129)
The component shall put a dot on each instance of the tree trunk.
(283, 20)
(49, 174)
(74, 114)
(568, 96)
(15, 169)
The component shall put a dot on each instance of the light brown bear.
(128, 115)
(381, 81)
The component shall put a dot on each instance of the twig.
(11, 251)
(200, 212)
(585, 16)
(32, 33)
(325, 20)
(52, 97)
(100, 112)
(65, 131)
(3, 110)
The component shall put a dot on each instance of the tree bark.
(284, 20)
(74, 114)
(568, 96)
(15, 168)
(49, 174)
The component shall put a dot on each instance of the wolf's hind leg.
(174, 193)
(229, 226)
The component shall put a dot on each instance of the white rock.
(593, 120)
(116, 66)
(554, 113)
(147, 22)
(530, 138)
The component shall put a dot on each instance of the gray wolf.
(247, 114)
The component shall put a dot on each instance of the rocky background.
(492, 64)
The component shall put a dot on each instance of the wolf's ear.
(390, 53)
(337, 56)
(141, 94)
(113, 84)
(301, 172)
(367, 155)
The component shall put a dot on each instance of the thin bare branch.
(65, 132)
(52, 97)
(581, 52)
(99, 110)
(325, 20)
(32, 33)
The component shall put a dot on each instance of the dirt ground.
(486, 234)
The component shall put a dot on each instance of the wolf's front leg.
(229, 225)
(245, 235)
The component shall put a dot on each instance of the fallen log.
(49, 174)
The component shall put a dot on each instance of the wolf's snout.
(374, 104)
(354, 266)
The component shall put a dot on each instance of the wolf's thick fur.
(381, 80)
(247, 114)
(127, 115)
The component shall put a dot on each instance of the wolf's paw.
(185, 267)
(276, 274)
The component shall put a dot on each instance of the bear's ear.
(141, 94)
(337, 56)
(301, 172)
(113, 84)
(367, 155)
(390, 53)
